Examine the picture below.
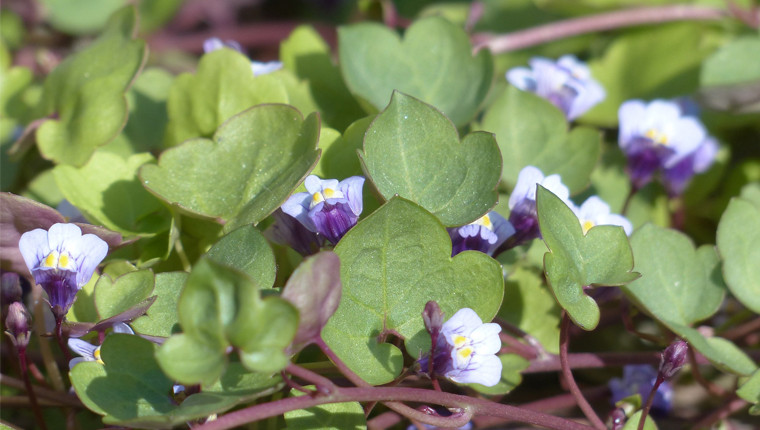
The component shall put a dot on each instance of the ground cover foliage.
(380, 214)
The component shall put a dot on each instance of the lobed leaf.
(413, 151)
(393, 263)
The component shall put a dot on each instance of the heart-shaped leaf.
(601, 257)
(113, 296)
(86, 93)
(678, 283)
(221, 307)
(254, 162)
(433, 62)
(738, 239)
(412, 150)
(533, 132)
(130, 372)
(393, 263)
(730, 77)
(222, 87)
(750, 391)
(108, 192)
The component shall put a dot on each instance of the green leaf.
(340, 159)
(246, 250)
(412, 150)
(721, 352)
(147, 110)
(433, 62)
(531, 307)
(533, 132)
(678, 284)
(130, 373)
(331, 416)
(601, 257)
(107, 191)
(86, 93)
(80, 16)
(113, 296)
(307, 55)
(653, 62)
(511, 367)
(221, 307)
(738, 239)
(393, 263)
(750, 389)
(633, 422)
(734, 63)
(222, 87)
(162, 319)
(255, 160)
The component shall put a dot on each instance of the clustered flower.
(522, 202)
(465, 349)
(62, 261)
(258, 68)
(566, 83)
(663, 136)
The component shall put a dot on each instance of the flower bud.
(433, 317)
(673, 358)
(10, 285)
(17, 324)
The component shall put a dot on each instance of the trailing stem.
(564, 342)
(29, 389)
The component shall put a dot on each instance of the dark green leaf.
(393, 263)
(739, 245)
(412, 150)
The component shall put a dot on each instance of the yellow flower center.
(96, 354)
(320, 196)
(485, 221)
(459, 341)
(464, 353)
(587, 225)
(55, 260)
(657, 136)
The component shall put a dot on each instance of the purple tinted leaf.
(314, 289)
(81, 329)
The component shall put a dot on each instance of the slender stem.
(711, 388)
(742, 330)
(564, 343)
(628, 199)
(650, 400)
(395, 406)
(323, 385)
(595, 23)
(59, 338)
(469, 406)
(47, 354)
(537, 350)
(384, 421)
(29, 390)
(43, 393)
(182, 256)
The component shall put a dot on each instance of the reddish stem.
(564, 343)
(595, 23)
(29, 389)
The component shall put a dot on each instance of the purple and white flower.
(656, 136)
(594, 211)
(639, 379)
(484, 235)
(678, 177)
(522, 202)
(90, 352)
(258, 68)
(567, 84)
(286, 230)
(466, 350)
(328, 207)
(62, 261)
